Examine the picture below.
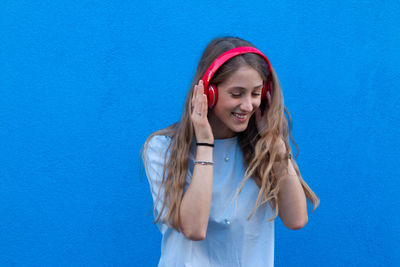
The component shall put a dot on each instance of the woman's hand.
(201, 125)
(261, 117)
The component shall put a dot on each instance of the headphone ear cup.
(212, 95)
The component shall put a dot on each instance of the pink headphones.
(211, 90)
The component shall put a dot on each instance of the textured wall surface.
(83, 83)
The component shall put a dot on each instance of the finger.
(203, 93)
(196, 99)
(199, 101)
(200, 92)
(194, 96)
(201, 87)
(204, 105)
(198, 107)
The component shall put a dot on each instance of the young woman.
(222, 174)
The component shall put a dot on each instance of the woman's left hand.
(261, 119)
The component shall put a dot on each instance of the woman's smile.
(240, 117)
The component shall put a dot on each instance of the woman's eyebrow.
(236, 88)
(243, 88)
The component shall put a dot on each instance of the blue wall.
(83, 83)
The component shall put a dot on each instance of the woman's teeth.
(239, 116)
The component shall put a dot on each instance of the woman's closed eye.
(257, 93)
(236, 94)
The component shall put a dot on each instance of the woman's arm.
(291, 197)
(196, 203)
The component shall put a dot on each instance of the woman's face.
(238, 98)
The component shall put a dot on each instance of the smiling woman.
(238, 98)
(222, 174)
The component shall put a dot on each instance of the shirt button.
(226, 158)
(227, 222)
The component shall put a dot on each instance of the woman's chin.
(240, 128)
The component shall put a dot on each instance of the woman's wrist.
(205, 144)
(209, 140)
(204, 153)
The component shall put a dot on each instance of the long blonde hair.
(259, 151)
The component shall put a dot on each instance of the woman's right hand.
(201, 125)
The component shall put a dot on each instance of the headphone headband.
(228, 55)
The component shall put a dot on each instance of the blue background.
(83, 83)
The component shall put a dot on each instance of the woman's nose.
(246, 104)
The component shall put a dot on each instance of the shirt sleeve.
(154, 165)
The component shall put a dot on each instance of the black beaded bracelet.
(204, 144)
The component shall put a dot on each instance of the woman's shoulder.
(161, 137)
(158, 141)
(155, 149)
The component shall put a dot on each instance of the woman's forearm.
(196, 202)
(291, 197)
(292, 201)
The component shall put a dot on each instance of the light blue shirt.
(231, 239)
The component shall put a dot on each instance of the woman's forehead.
(245, 77)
